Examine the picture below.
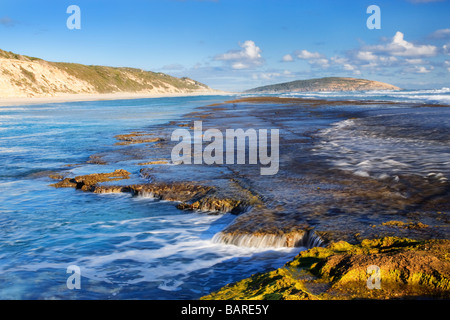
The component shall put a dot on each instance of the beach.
(61, 98)
(186, 151)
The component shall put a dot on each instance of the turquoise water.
(138, 248)
(126, 247)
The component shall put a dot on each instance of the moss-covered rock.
(407, 269)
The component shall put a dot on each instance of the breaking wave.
(433, 96)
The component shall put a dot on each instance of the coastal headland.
(31, 80)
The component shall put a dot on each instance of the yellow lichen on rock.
(408, 269)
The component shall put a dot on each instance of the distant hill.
(23, 76)
(324, 84)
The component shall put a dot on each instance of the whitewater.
(140, 248)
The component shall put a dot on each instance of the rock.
(153, 162)
(189, 195)
(88, 182)
(306, 204)
(408, 269)
(298, 238)
(96, 159)
(136, 137)
(213, 204)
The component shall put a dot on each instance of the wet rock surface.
(90, 182)
(350, 221)
(406, 269)
(306, 194)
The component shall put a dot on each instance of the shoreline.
(399, 226)
(19, 101)
(244, 190)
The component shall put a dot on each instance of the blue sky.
(240, 44)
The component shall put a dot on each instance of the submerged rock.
(89, 182)
(136, 137)
(96, 159)
(408, 269)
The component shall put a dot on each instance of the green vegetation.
(325, 84)
(109, 79)
(103, 79)
(408, 269)
(12, 55)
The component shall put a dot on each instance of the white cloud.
(422, 69)
(313, 58)
(441, 33)
(248, 57)
(339, 60)
(369, 60)
(345, 64)
(447, 65)
(272, 74)
(402, 48)
(287, 58)
(394, 53)
(366, 56)
(324, 63)
(239, 65)
(446, 48)
(306, 55)
(415, 61)
(387, 59)
(418, 69)
(348, 67)
(268, 75)
(390, 56)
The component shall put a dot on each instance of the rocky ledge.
(349, 222)
(405, 268)
(188, 196)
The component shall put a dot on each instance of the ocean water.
(392, 142)
(389, 140)
(138, 248)
(432, 96)
(126, 247)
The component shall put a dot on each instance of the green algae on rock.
(409, 269)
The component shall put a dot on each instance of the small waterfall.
(110, 189)
(146, 194)
(307, 239)
(313, 240)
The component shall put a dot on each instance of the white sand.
(12, 101)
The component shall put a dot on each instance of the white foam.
(426, 95)
(14, 150)
(171, 285)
